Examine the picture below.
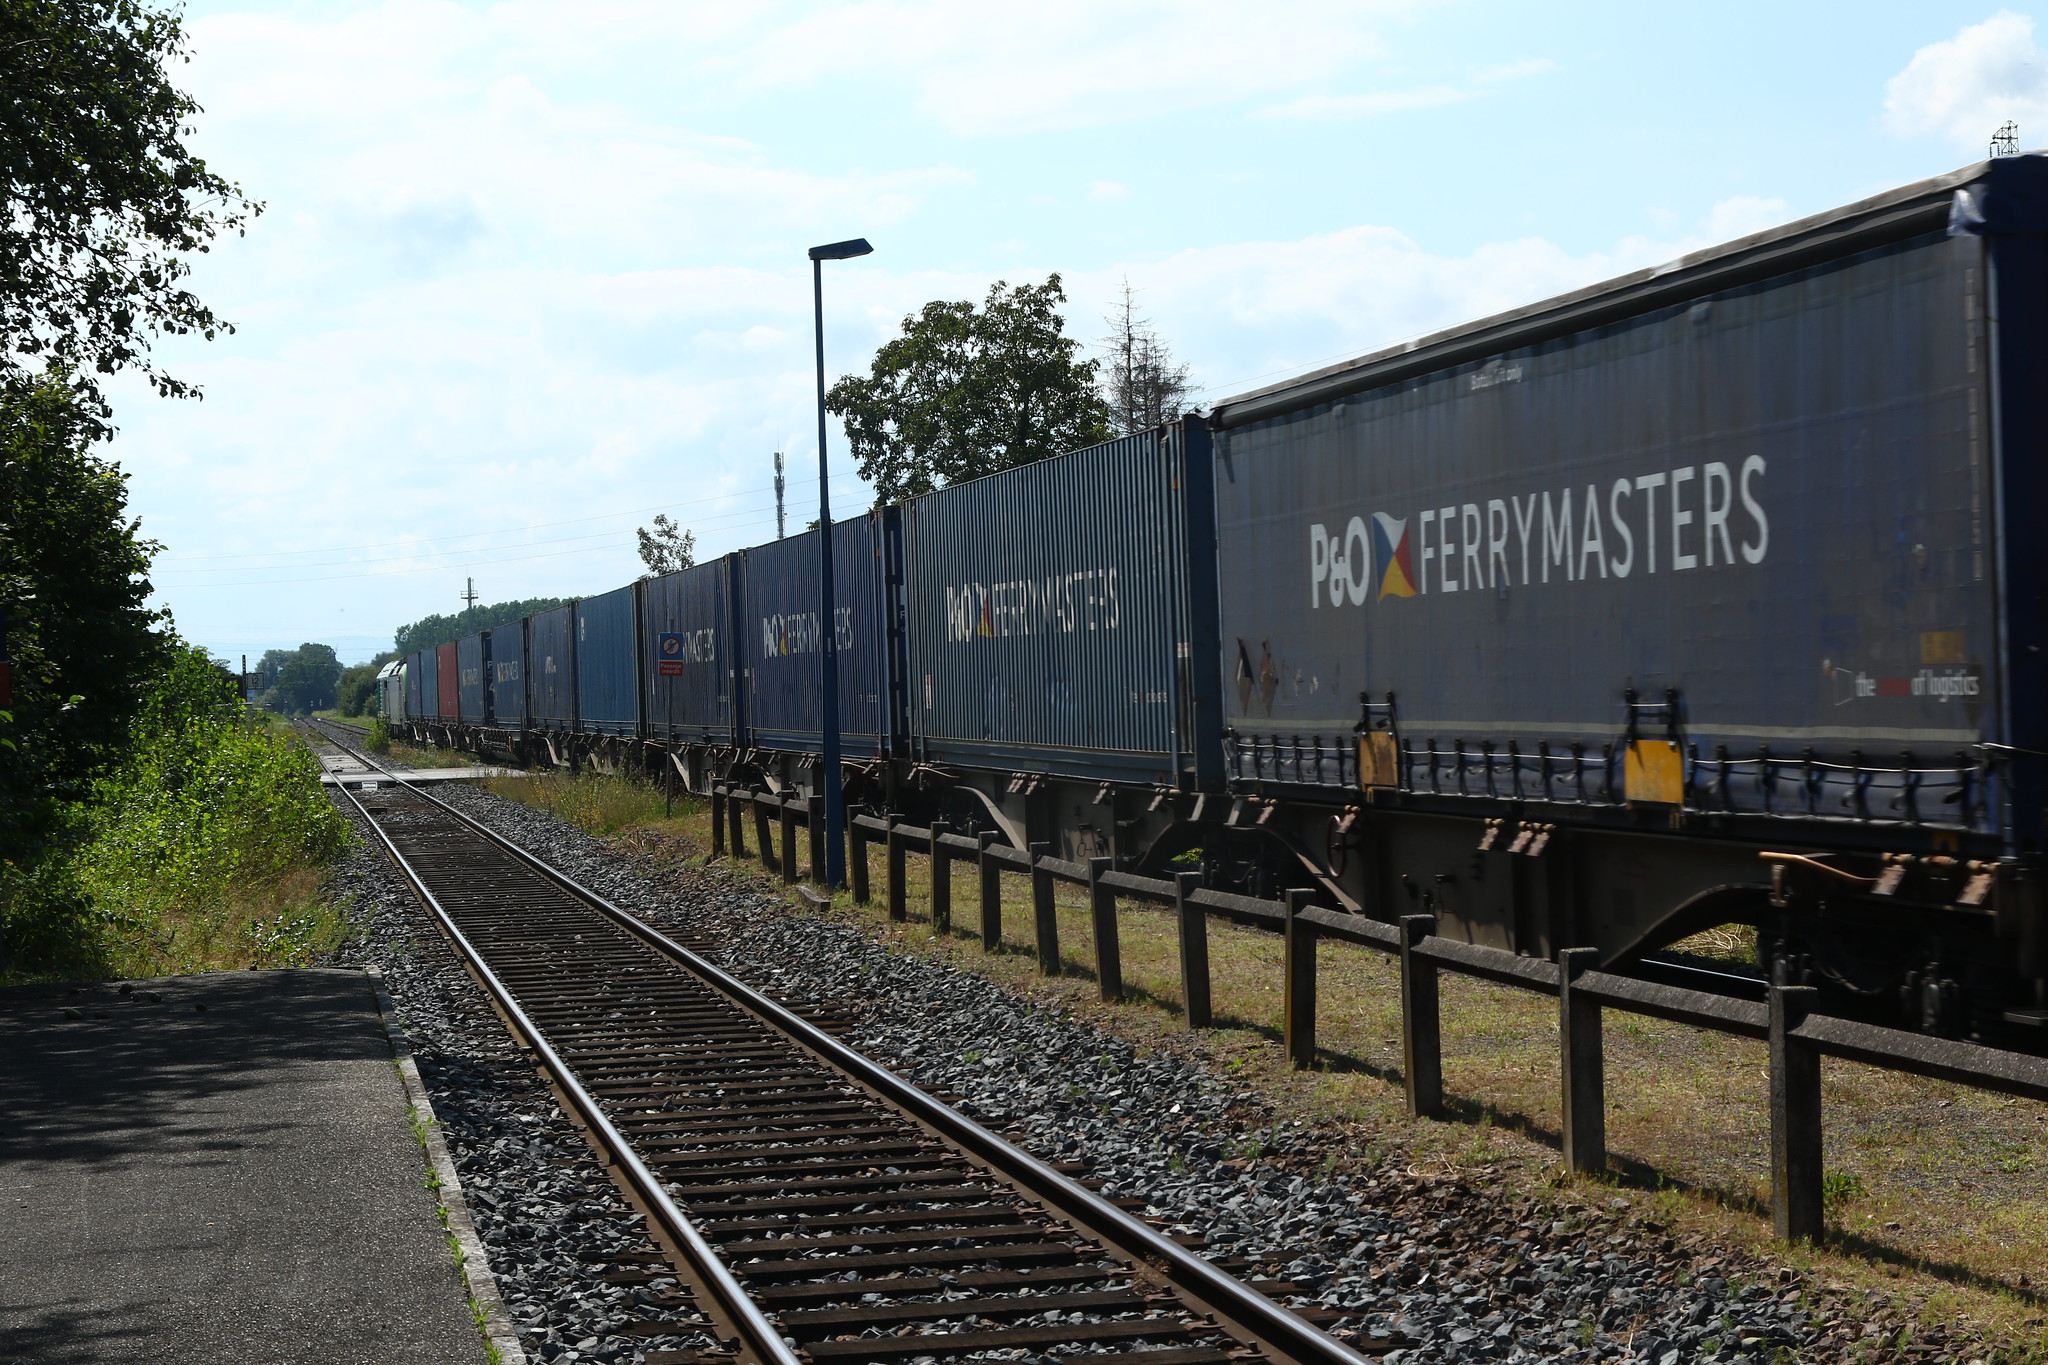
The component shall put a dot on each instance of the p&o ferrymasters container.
(1764, 532)
(1049, 613)
(782, 640)
(551, 668)
(473, 661)
(607, 663)
(507, 655)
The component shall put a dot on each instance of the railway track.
(809, 1203)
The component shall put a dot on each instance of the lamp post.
(828, 624)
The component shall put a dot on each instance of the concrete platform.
(339, 769)
(238, 1184)
(424, 776)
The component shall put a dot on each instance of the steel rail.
(734, 1314)
(1239, 1308)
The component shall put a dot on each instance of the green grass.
(206, 850)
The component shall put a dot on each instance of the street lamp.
(828, 654)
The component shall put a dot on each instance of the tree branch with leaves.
(968, 391)
(103, 199)
(668, 548)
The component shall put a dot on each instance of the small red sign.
(670, 668)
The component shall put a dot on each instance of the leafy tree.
(357, 690)
(99, 197)
(968, 391)
(1140, 382)
(305, 681)
(668, 548)
(72, 584)
(429, 631)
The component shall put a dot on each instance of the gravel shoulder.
(1430, 1262)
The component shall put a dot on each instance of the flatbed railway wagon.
(1712, 594)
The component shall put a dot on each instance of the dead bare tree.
(1140, 381)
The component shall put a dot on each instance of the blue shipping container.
(413, 676)
(430, 685)
(472, 657)
(551, 668)
(607, 663)
(689, 693)
(508, 676)
(1046, 610)
(1766, 497)
(779, 628)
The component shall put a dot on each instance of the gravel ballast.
(1428, 1265)
(551, 1222)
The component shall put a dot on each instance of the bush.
(379, 740)
(205, 850)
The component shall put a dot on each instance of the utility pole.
(469, 594)
(779, 485)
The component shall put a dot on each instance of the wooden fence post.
(1797, 1206)
(1194, 948)
(786, 817)
(1581, 1064)
(761, 834)
(1422, 1047)
(814, 821)
(942, 880)
(1298, 1008)
(717, 821)
(991, 894)
(1109, 963)
(1045, 921)
(857, 858)
(899, 905)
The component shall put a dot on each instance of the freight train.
(1711, 595)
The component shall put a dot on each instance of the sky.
(528, 273)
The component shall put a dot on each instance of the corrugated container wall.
(779, 628)
(689, 688)
(415, 673)
(551, 668)
(1045, 609)
(1768, 499)
(508, 676)
(428, 693)
(607, 663)
(448, 682)
(472, 658)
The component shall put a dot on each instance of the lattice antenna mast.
(780, 484)
(2006, 141)
(469, 594)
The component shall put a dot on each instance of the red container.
(448, 682)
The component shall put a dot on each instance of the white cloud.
(1325, 106)
(1377, 102)
(1513, 71)
(1964, 87)
(1108, 191)
(1251, 313)
(980, 68)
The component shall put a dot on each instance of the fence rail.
(1797, 1036)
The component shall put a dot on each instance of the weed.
(1840, 1187)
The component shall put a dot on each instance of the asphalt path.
(216, 1168)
